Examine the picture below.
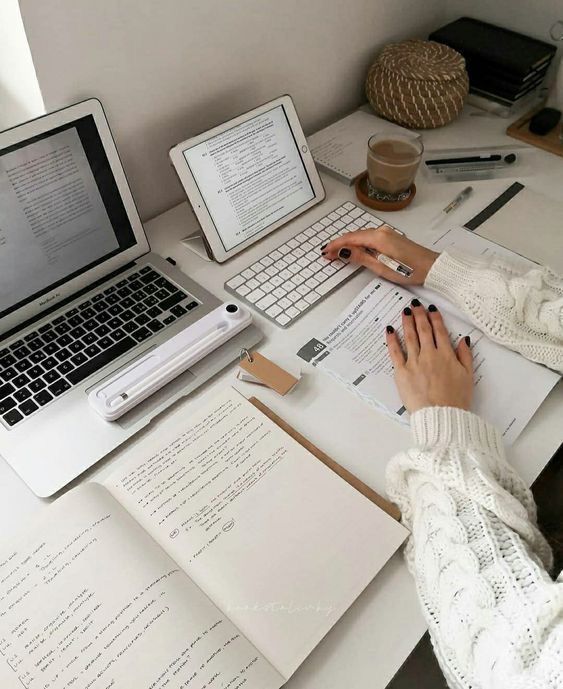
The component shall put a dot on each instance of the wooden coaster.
(361, 185)
(521, 130)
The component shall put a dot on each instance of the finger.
(464, 353)
(358, 256)
(367, 237)
(394, 348)
(409, 331)
(441, 335)
(423, 327)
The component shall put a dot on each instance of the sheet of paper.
(88, 599)
(341, 148)
(508, 388)
(279, 542)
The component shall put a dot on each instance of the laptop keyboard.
(61, 353)
(292, 278)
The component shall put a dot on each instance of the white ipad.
(248, 176)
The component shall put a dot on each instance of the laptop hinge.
(61, 304)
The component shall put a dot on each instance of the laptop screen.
(60, 211)
(250, 176)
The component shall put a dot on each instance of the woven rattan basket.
(418, 84)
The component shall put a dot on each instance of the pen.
(391, 263)
(452, 205)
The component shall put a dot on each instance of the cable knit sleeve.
(479, 561)
(516, 307)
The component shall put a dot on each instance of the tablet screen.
(250, 176)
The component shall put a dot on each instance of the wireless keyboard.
(292, 278)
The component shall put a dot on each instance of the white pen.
(391, 263)
(452, 205)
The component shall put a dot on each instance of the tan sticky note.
(269, 373)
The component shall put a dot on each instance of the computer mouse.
(544, 121)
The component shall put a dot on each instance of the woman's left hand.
(433, 373)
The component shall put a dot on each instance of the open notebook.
(218, 555)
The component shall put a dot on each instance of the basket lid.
(422, 60)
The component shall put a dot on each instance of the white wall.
(167, 69)
(20, 98)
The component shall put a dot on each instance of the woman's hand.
(386, 241)
(432, 374)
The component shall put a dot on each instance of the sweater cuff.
(452, 275)
(435, 426)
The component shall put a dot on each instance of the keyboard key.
(84, 305)
(155, 325)
(266, 302)
(123, 292)
(51, 348)
(121, 283)
(100, 306)
(89, 313)
(312, 297)
(178, 311)
(142, 319)
(127, 315)
(30, 336)
(36, 344)
(12, 418)
(110, 290)
(35, 372)
(243, 290)
(136, 285)
(63, 354)
(139, 308)
(292, 312)
(8, 373)
(65, 367)
(97, 298)
(6, 404)
(151, 301)
(59, 387)
(284, 303)
(149, 276)
(255, 296)
(172, 300)
(105, 342)
(64, 340)
(192, 305)
(79, 359)
(112, 299)
(163, 283)
(6, 389)
(235, 282)
(28, 407)
(282, 319)
(99, 361)
(92, 350)
(294, 296)
(115, 310)
(22, 395)
(16, 345)
(112, 324)
(252, 284)
(20, 381)
(37, 385)
(62, 328)
(22, 352)
(105, 329)
(51, 376)
(43, 397)
(103, 317)
(22, 365)
(130, 327)
(8, 360)
(274, 310)
(49, 336)
(45, 328)
(89, 338)
(154, 312)
(152, 288)
(49, 363)
(142, 334)
(75, 320)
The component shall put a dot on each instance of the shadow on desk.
(421, 669)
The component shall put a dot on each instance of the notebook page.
(88, 599)
(274, 538)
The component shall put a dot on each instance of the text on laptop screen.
(250, 176)
(60, 211)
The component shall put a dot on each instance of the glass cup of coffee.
(392, 162)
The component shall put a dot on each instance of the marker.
(391, 263)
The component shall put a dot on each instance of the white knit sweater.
(479, 561)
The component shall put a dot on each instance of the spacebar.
(100, 360)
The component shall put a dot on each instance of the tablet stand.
(194, 242)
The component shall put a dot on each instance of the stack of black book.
(503, 66)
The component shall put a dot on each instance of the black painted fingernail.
(344, 253)
(390, 329)
(432, 308)
(467, 340)
(323, 247)
(415, 302)
(407, 311)
(323, 253)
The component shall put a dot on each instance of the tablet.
(248, 176)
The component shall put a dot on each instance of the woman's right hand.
(386, 241)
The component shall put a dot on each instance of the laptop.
(81, 297)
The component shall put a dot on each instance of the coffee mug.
(392, 163)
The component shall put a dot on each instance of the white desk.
(374, 638)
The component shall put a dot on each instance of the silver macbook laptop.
(80, 297)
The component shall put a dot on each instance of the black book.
(513, 52)
(501, 88)
(478, 69)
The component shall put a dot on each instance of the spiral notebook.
(341, 148)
